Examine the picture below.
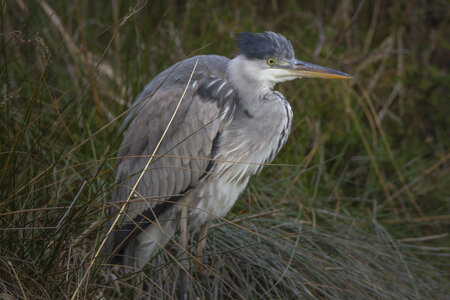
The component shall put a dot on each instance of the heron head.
(269, 58)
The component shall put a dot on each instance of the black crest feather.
(264, 45)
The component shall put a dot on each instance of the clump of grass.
(365, 195)
(279, 257)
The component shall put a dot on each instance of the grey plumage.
(228, 125)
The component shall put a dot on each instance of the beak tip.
(343, 75)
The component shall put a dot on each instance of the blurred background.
(355, 206)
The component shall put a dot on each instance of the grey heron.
(229, 123)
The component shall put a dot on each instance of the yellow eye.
(271, 61)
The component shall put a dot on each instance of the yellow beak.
(303, 69)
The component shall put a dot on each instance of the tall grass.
(355, 206)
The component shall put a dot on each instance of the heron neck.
(244, 78)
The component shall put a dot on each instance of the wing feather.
(180, 162)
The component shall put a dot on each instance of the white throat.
(247, 77)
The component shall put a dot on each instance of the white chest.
(245, 147)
